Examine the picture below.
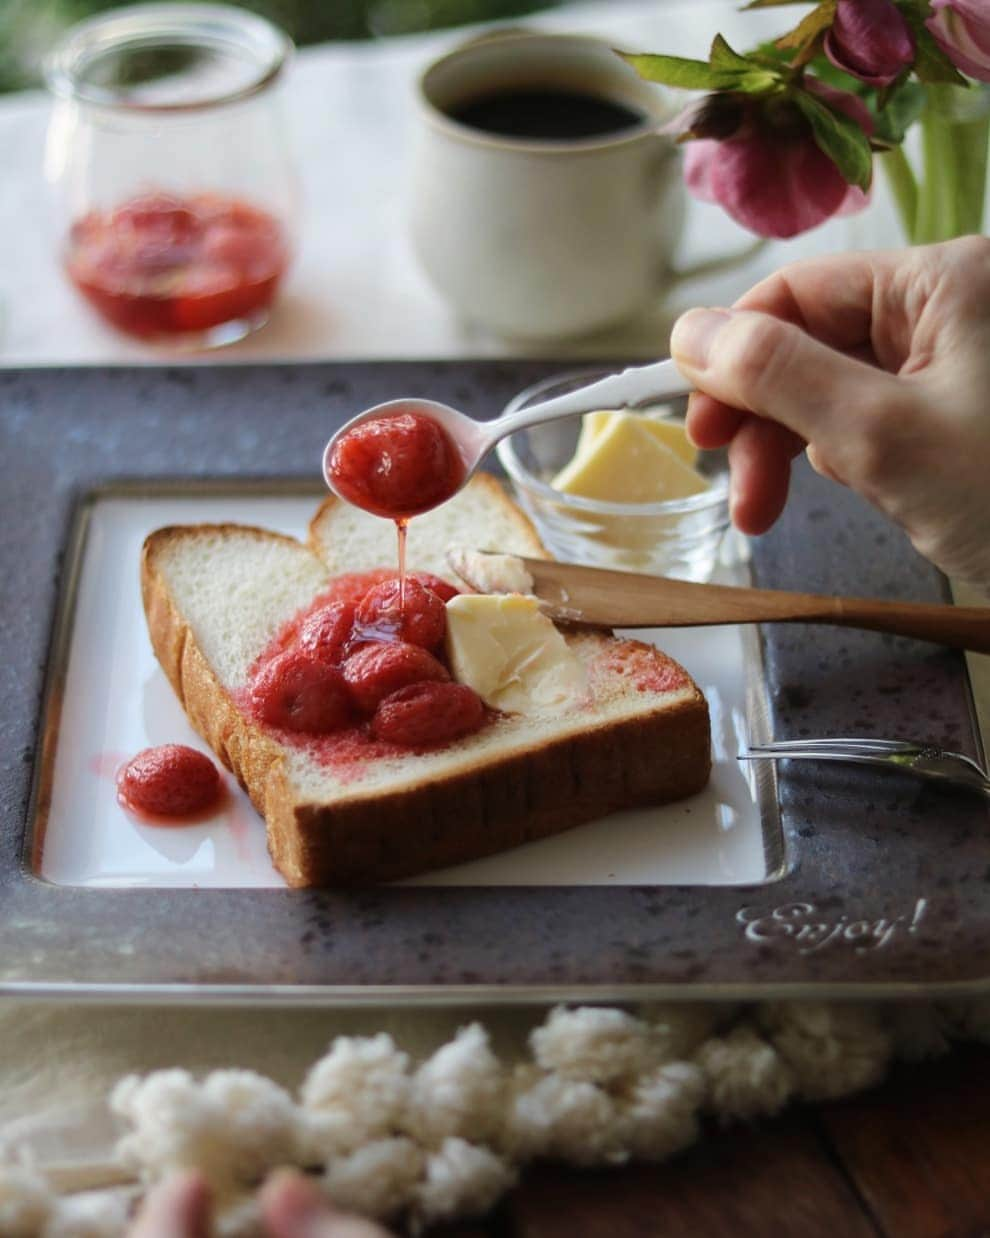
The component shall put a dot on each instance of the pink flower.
(871, 40)
(962, 30)
(770, 174)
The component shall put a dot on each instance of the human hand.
(878, 365)
(291, 1207)
(294, 1207)
(178, 1207)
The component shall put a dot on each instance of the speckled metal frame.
(885, 885)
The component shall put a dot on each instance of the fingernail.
(694, 335)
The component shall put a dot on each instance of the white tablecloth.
(355, 291)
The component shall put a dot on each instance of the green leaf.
(770, 55)
(770, 4)
(840, 138)
(678, 71)
(931, 64)
(759, 82)
(721, 56)
(726, 71)
(810, 26)
(894, 109)
(827, 72)
(753, 77)
(902, 108)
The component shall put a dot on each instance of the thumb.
(770, 367)
(295, 1207)
(178, 1207)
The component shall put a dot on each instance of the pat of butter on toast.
(510, 653)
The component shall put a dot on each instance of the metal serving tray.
(876, 884)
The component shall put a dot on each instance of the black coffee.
(554, 115)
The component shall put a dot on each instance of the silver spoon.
(632, 388)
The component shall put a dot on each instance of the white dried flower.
(379, 1179)
(460, 1091)
(747, 1077)
(356, 1093)
(26, 1202)
(233, 1127)
(832, 1049)
(462, 1179)
(678, 1030)
(94, 1214)
(568, 1119)
(659, 1116)
(593, 1043)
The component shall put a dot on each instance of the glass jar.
(175, 191)
(685, 538)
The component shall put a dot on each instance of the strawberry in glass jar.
(168, 153)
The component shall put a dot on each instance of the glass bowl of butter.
(620, 488)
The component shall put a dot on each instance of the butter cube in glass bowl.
(620, 488)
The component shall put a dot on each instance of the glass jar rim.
(220, 28)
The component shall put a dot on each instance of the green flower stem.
(904, 186)
(954, 150)
(971, 162)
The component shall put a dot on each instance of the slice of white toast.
(216, 595)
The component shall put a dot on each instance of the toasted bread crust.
(257, 761)
(554, 786)
(486, 807)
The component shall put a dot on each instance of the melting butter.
(511, 654)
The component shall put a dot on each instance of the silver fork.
(925, 760)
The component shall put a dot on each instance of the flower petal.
(841, 101)
(775, 189)
(871, 40)
(699, 159)
(962, 30)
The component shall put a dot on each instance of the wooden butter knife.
(573, 593)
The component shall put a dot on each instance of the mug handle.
(669, 274)
(673, 275)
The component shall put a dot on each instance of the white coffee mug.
(535, 238)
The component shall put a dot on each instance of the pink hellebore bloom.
(771, 177)
(962, 30)
(871, 40)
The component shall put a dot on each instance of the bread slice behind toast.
(481, 516)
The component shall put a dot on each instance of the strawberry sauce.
(164, 266)
(648, 668)
(397, 465)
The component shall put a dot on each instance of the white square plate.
(116, 701)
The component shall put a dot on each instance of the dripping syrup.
(401, 531)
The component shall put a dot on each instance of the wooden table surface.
(909, 1159)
